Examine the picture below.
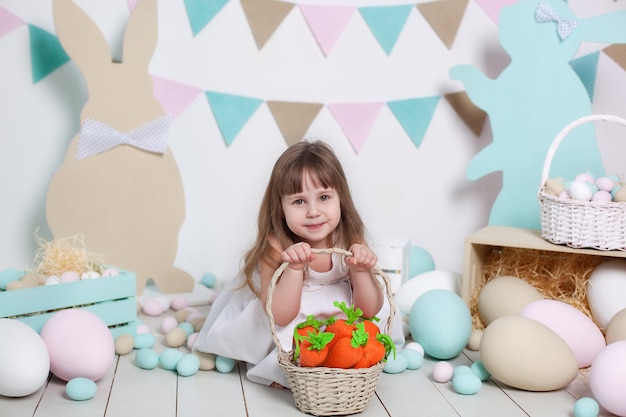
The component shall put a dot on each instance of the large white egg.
(526, 354)
(24, 360)
(577, 330)
(412, 289)
(503, 296)
(605, 290)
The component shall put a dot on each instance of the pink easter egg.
(152, 307)
(178, 303)
(604, 183)
(607, 378)
(79, 344)
(70, 276)
(443, 371)
(601, 196)
(578, 331)
(168, 323)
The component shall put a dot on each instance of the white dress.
(237, 325)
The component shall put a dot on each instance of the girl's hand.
(298, 255)
(362, 259)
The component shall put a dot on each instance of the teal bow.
(564, 27)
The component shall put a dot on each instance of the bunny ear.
(605, 28)
(80, 37)
(140, 38)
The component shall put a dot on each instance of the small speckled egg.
(144, 341)
(224, 365)
(466, 383)
(124, 343)
(146, 359)
(396, 365)
(169, 358)
(81, 389)
(586, 407)
(188, 365)
(443, 371)
(414, 358)
(176, 337)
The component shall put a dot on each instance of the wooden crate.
(480, 244)
(110, 298)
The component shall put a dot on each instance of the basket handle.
(571, 126)
(270, 292)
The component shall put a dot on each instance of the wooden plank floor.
(130, 391)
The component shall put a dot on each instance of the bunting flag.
(8, 22)
(586, 67)
(201, 12)
(444, 17)
(326, 22)
(294, 119)
(473, 116)
(617, 52)
(386, 23)
(356, 120)
(231, 112)
(46, 53)
(492, 7)
(264, 17)
(414, 115)
(173, 96)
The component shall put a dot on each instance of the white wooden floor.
(130, 391)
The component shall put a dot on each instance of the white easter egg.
(580, 190)
(24, 360)
(526, 354)
(412, 289)
(605, 290)
(577, 330)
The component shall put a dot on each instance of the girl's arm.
(366, 293)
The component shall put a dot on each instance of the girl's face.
(313, 214)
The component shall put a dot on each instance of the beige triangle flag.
(294, 119)
(264, 17)
(444, 17)
(617, 52)
(473, 116)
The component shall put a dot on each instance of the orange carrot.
(348, 350)
(311, 324)
(314, 349)
(371, 327)
(343, 327)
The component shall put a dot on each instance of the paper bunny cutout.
(127, 202)
(533, 99)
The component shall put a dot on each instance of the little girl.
(307, 204)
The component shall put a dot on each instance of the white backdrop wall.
(402, 190)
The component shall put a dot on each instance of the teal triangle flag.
(231, 112)
(46, 53)
(586, 67)
(386, 23)
(201, 12)
(414, 115)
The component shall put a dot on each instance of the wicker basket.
(581, 224)
(323, 391)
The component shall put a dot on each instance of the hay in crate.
(556, 277)
(65, 254)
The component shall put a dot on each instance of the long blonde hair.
(319, 161)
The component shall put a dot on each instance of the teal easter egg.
(146, 359)
(441, 322)
(224, 365)
(9, 275)
(169, 358)
(586, 407)
(466, 383)
(188, 365)
(187, 327)
(209, 279)
(414, 358)
(144, 341)
(480, 371)
(80, 389)
(420, 261)
(396, 365)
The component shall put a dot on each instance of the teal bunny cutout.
(533, 99)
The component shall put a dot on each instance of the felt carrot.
(314, 348)
(376, 350)
(343, 327)
(311, 324)
(348, 350)
(371, 327)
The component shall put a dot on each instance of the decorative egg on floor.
(81, 389)
(605, 289)
(169, 358)
(577, 330)
(443, 371)
(146, 359)
(224, 365)
(607, 378)
(412, 289)
(79, 344)
(526, 354)
(503, 296)
(616, 330)
(586, 407)
(124, 343)
(396, 365)
(466, 383)
(441, 322)
(188, 365)
(24, 360)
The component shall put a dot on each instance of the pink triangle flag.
(174, 97)
(326, 23)
(493, 7)
(356, 120)
(8, 21)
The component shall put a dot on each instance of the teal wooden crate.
(113, 299)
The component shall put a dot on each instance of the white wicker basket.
(581, 224)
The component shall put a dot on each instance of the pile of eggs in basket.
(586, 187)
